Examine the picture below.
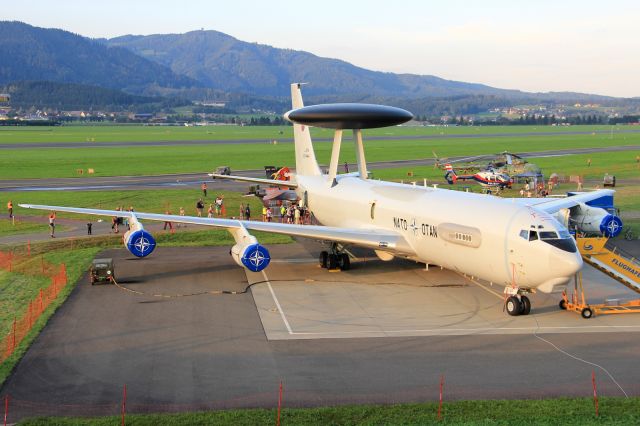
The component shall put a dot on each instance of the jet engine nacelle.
(138, 241)
(595, 220)
(251, 255)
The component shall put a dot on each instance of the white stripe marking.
(275, 299)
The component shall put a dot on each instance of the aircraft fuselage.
(480, 235)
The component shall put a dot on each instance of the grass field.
(24, 162)
(565, 411)
(20, 227)
(134, 133)
(153, 201)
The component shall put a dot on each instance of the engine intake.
(139, 242)
(595, 220)
(252, 256)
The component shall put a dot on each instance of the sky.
(539, 46)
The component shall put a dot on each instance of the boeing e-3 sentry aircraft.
(517, 243)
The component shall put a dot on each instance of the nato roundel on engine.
(255, 258)
(141, 243)
(611, 226)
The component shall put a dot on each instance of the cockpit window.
(566, 244)
(564, 233)
(548, 235)
(533, 235)
(524, 234)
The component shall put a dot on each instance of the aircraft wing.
(552, 204)
(256, 180)
(370, 238)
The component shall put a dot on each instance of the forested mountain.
(210, 65)
(222, 62)
(32, 53)
(73, 96)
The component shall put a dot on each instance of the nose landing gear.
(517, 303)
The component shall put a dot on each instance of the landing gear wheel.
(563, 305)
(526, 305)
(586, 313)
(513, 306)
(332, 262)
(344, 262)
(324, 259)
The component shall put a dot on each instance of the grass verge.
(566, 411)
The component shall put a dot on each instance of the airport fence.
(35, 266)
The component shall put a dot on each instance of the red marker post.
(279, 404)
(595, 393)
(124, 402)
(6, 409)
(441, 391)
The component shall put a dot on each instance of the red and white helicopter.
(487, 178)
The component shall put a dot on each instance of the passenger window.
(533, 235)
(524, 234)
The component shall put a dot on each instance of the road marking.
(275, 299)
(485, 330)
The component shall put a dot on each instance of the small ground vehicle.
(609, 180)
(223, 170)
(101, 271)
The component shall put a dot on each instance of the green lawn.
(154, 201)
(565, 411)
(20, 227)
(135, 133)
(23, 162)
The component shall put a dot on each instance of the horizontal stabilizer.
(275, 182)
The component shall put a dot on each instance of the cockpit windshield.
(560, 239)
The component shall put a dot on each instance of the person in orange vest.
(10, 208)
(52, 223)
(204, 188)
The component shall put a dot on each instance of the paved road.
(289, 140)
(209, 352)
(179, 181)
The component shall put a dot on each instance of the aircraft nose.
(565, 264)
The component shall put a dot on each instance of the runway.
(184, 180)
(352, 337)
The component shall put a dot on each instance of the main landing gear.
(336, 258)
(517, 303)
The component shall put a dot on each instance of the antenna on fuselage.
(348, 116)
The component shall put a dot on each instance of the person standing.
(89, 226)
(219, 202)
(168, 223)
(52, 224)
(346, 167)
(200, 207)
(247, 212)
(204, 189)
(269, 214)
(10, 208)
(283, 213)
(296, 215)
(210, 211)
(241, 216)
(264, 213)
(182, 212)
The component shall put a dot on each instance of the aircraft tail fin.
(450, 175)
(306, 163)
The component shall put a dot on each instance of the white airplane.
(513, 242)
